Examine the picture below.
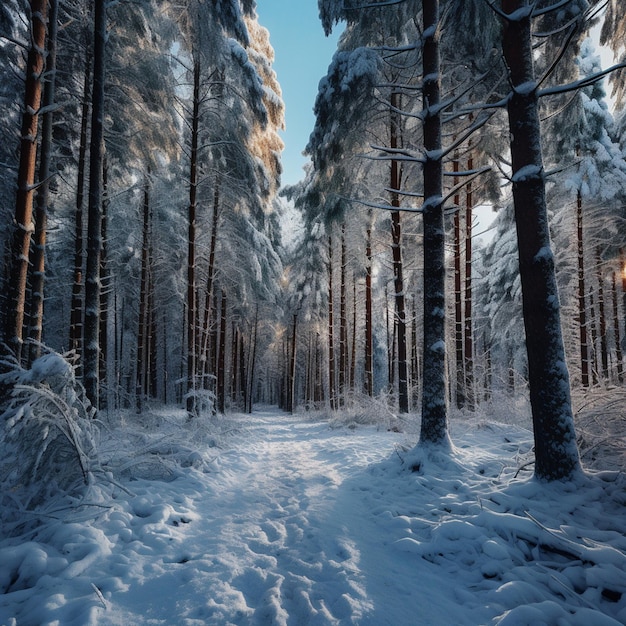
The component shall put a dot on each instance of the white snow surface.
(285, 520)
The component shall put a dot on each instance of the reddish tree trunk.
(23, 227)
(43, 193)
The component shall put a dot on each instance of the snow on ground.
(283, 520)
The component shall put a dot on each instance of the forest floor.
(279, 519)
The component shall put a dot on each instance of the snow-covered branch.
(583, 82)
(386, 207)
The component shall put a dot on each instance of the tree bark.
(331, 331)
(395, 181)
(205, 357)
(353, 342)
(458, 296)
(343, 322)
(243, 387)
(221, 362)
(38, 250)
(468, 331)
(292, 367)
(94, 218)
(191, 246)
(252, 362)
(23, 224)
(142, 331)
(616, 331)
(622, 261)
(415, 370)
(389, 341)
(594, 337)
(106, 284)
(234, 356)
(76, 310)
(582, 307)
(369, 368)
(434, 428)
(556, 454)
(604, 351)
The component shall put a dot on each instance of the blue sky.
(302, 57)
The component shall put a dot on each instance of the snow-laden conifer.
(47, 435)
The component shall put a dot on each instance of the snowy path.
(278, 535)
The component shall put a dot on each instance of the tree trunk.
(76, 311)
(43, 193)
(616, 331)
(604, 351)
(207, 371)
(191, 246)
(142, 331)
(343, 322)
(594, 338)
(94, 218)
(214, 335)
(582, 308)
(23, 225)
(234, 357)
(353, 343)
(434, 428)
(622, 260)
(152, 379)
(369, 361)
(243, 386)
(468, 332)
(105, 283)
(292, 367)
(308, 373)
(252, 362)
(488, 371)
(458, 296)
(389, 342)
(415, 373)
(395, 181)
(319, 369)
(221, 360)
(556, 454)
(331, 332)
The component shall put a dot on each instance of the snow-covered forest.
(161, 290)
